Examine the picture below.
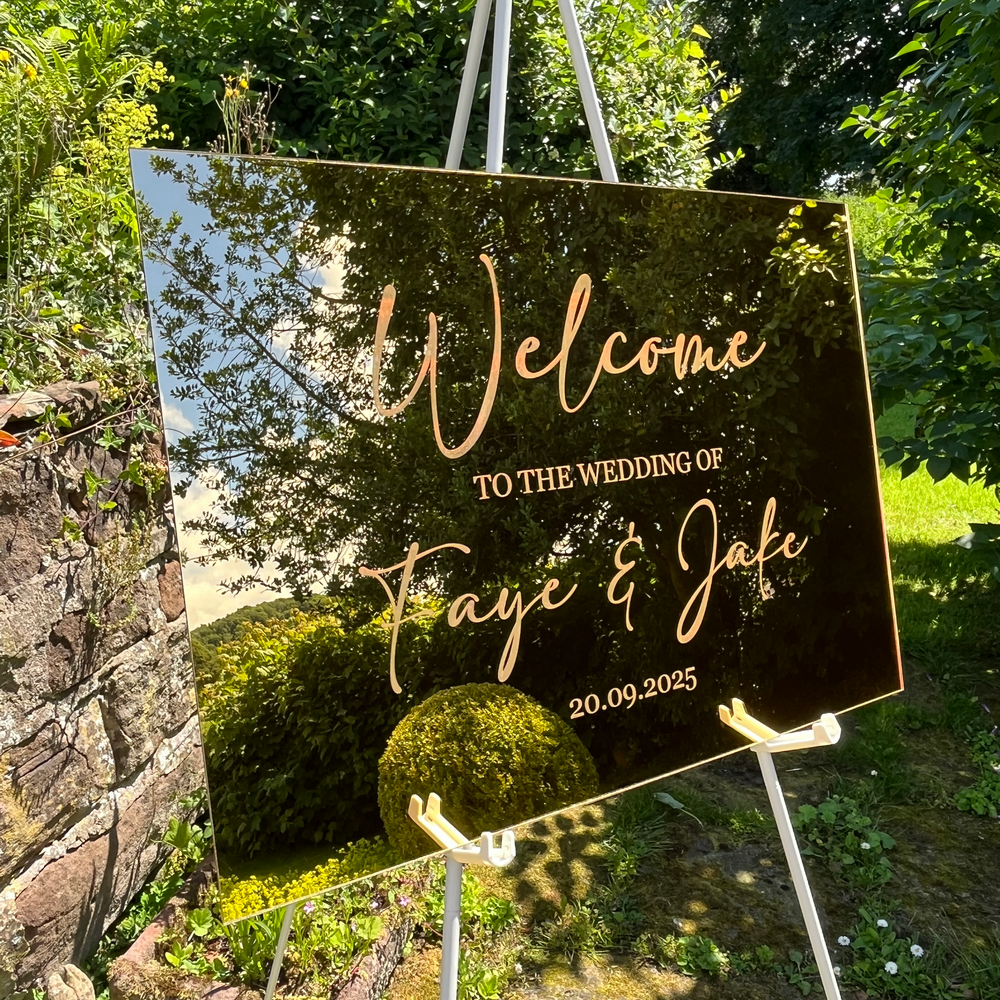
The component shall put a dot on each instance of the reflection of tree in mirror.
(287, 354)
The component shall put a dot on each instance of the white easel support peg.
(766, 742)
(461, 852)
(744, 723)
(433, 823)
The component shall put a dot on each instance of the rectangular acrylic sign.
(564, 465)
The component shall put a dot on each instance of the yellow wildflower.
(30, 72)
(4, 56)
(244, 85)
(77, 327)
(230, 92)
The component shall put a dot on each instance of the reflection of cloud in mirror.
(206, 600)
(175, 422)
(326, 276)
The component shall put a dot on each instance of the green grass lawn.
(946, 603)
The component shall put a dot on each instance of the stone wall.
(98, 734)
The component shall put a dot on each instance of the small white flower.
(874, 774)
(891, 968)
(836, 970)
(865, 846)
(881, 923)
(916, 951)
(843, 940)
(518, 968)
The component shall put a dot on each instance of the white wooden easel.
(498, 87)
(765, 741)
(430, 820)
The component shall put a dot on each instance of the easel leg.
(451, 939)
(470, 76)
(279, 954)
(588, 92)
(498, 87)
(461, 852)
(798, 872)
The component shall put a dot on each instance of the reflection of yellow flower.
(244, 85)
(30, 72)
(4, 56)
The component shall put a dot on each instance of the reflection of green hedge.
(494, 755)
(294, 728)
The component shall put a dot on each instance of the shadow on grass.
(947, 604)
(558, 858)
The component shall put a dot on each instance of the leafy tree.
(225, 629)
(798, 64)
(207, 639)
(934, 326)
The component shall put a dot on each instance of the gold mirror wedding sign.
(496, 487)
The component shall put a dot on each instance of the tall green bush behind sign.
(932, 300)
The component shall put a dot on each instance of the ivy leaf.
(94, 482)
(142, 424)
(133, 473)
(109, 440)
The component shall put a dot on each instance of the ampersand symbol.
(623, 569)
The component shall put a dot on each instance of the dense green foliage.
(71, 304)
(378, 82)
(934, 331)
(206, 639)
(798, 64)
(82, 81)
(292, 734)
(491, 752)
(225, 629)
(253, 894)
(190, 843)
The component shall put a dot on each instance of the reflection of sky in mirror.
(166, 199)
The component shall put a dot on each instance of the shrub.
(294, 727)
(72, 102)
(376, 82)
(244, 897)
(493, 754)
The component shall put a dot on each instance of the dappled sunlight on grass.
(946, 600)
(918, 509)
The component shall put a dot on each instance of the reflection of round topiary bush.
(493, 754)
